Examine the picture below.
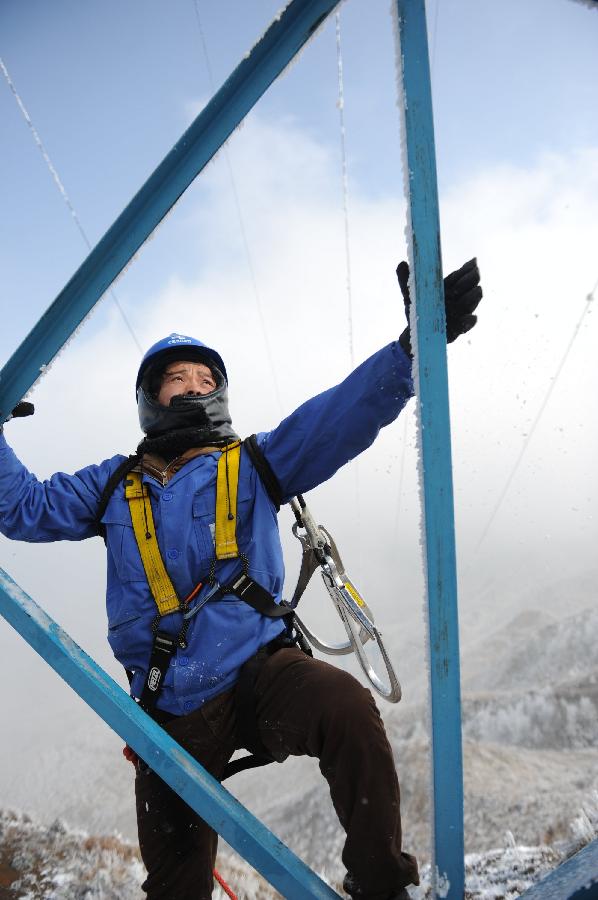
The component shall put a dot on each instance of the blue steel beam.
(575, 879)
(434, 424)
(227, 108)
(175, 766)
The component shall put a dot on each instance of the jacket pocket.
(126, 634)
(204, 518)
(124, 620)
(121, 541)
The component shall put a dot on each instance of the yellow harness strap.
(227, 482)
(140, 508)
(142, 518)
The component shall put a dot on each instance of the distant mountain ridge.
(533, 650)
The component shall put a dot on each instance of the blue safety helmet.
(177, 346)
(207, 415)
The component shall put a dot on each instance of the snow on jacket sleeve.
(332, 428)
(62, 508)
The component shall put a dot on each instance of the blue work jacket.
(304, 450)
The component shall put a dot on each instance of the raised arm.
(332, 428)
(61, 508)
(327, 431)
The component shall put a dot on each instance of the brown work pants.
(305, 707)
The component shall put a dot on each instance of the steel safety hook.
(319, 551)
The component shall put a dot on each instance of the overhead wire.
(242, 229)
(345, 181)
(531, 432)
(345, 193)
(340, 103)
(58, 182)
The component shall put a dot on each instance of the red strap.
(130, 755)
(224, 885)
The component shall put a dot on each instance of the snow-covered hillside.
(56, 863)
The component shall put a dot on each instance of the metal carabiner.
(352, 618)
(320, 551)
(323, 646)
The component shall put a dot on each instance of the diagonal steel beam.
(430, 372)
(227, 108)
(252, 840)
(574, 879)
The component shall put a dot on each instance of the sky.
(252, 261)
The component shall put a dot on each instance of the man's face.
(182, 377)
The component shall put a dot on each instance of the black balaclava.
(189, 420)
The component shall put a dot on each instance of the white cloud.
(535, 235)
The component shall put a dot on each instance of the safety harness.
(319, 553)
(165, 644)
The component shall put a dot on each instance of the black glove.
(462, 293)
(22, 409)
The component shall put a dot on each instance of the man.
(184, 629)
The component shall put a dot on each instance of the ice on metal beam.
(575, 879)
(428, 337)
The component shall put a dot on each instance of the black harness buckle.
(163, 649)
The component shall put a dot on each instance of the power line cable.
(348, 279)
(62, 189)
(242, 228)
(498, 504)
(345, 181)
